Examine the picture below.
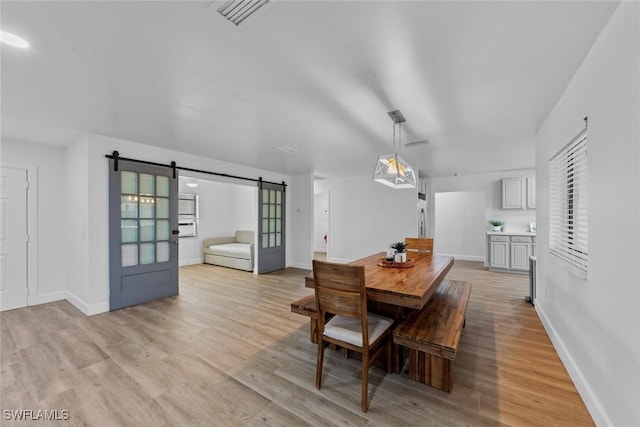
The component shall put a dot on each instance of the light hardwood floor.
(228, 351)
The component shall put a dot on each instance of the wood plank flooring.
(227, 351)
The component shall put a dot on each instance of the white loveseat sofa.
(234, 252)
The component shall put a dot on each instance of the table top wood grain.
(404, 287)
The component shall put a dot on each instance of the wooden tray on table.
(382, 262)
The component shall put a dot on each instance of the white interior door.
(13, 238)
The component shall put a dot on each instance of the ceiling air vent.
(236, 11)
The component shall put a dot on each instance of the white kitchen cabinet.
(533, 247)
(509, 252)
(531, 192)
(520, 253)
(519, 193)
(499, 252)
(513, 193)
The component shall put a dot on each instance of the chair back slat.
(340, 288)
(419, 244)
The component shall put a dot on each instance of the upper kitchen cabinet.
(519, 193)
(531, 192)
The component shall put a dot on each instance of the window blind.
(568, 201)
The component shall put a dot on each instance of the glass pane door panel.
(162, 207)
(272, 211)
(147, 253)
(129, 230)
(147, 184)
(265, 211)
(129, 183)
(265, 240)
(129, 255)
(147, 230)
(272, 196)
(163, 251)
(162, 186)
(162, 229)
(278, 211)
(265, 196)
(279, 197)
(147, 207)
(278, 239)
(128, 206)
(278, 225)
(272, 240)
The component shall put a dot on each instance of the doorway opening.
(220, 208)
(321, 226)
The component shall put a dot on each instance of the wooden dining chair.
(340, 290)
(419, 244)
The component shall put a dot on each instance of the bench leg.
(431, 370)
(399, 358)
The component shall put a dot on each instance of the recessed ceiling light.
(13, 40)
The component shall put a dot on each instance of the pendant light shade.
(394, 171)
(391, 169)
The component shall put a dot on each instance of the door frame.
(33, 296)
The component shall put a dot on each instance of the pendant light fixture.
(391, 169)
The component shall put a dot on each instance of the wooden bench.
(432, 335)
(307, 307)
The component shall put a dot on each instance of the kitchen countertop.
(510, 233)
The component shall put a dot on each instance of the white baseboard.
(301, 265)
(190, 261)
(464, 257)
(591, 401)
(49, 297)
(88, 309)
(339, 260)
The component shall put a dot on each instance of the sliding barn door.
(271, 228)
(143, 233)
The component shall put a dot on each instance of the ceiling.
(474, 79)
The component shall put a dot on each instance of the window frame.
(568, 203)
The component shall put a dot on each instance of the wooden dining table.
(394, 290)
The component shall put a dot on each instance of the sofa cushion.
(233, 250)
(244, 236)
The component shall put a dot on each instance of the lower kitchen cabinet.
(499, 248)
(520, 253)
(509, 252)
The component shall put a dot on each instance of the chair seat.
(349, 330)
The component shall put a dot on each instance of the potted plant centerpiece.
(401, 255)
(496, 225)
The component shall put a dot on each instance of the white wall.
(320, 221)
(224, 208)
(48, 279)
(300, 221)
(594, 322)
(366, 217)
(491, 184)
(460, 225)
